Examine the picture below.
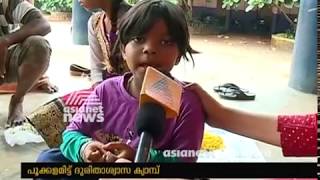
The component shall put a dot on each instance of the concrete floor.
(247, 61)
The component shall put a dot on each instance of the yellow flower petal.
(212, 142)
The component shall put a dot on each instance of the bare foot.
(44, 85)
(48, 88)
(15, 117)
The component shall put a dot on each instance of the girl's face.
(90, 4)
(155, 48)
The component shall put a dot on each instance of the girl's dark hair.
(141, 17)
(114, 14)
(118, 6)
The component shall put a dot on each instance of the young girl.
(102, 32)
(152, 33)
(296, 134)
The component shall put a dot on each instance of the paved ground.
(247, 61)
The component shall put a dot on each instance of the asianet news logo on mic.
(92, 111)
(159, 88)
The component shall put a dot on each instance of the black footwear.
(76, 70)
(225, 86)
(233, 92)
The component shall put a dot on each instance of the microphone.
(160, 98)
(162, 90)
(150, 125)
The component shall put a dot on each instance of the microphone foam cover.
(151, 119)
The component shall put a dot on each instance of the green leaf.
(288, 3)
(55, 5)
(173, 1)
(268, 1)
(261, 5)
(249, 1)
(276, 2)
(224, 6)
(249, 8)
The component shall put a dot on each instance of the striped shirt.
(15, 12)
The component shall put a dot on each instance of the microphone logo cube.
(159, 88)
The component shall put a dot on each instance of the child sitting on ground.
(152, 33)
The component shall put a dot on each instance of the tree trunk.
(228, 19)
(274, 19)
(191, 7)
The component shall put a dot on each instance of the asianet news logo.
(187, 153)
(84, 104)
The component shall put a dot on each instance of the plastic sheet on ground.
(237, 149)
(21, 135)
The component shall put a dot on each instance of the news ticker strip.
(170, 170)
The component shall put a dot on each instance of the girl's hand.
(121, 150)
(94, 152)
(110, 157)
